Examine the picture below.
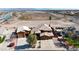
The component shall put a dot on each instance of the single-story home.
(45, 28)
(22, 31)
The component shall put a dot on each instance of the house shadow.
(21, 47)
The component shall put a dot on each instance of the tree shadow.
(25, 46)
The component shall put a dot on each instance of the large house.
(22, 31)
(43, 32)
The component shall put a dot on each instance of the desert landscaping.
(39, 30)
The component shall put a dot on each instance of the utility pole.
(50, 18)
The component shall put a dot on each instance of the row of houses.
(42, 32)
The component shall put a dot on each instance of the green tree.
(2, 39)
(32, 39)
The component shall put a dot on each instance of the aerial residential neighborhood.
(35, 29)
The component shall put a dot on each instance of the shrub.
(72, 41)
(2, 38)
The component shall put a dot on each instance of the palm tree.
(32, 39)
(2, 39)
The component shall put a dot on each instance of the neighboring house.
(46, 32)
(45, 28)
(43, 32)
(22, 31)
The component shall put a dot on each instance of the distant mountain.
(24, 9)
(37, 9)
